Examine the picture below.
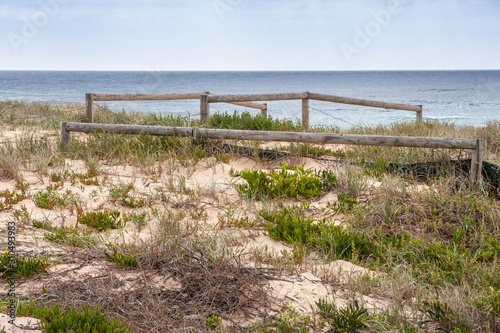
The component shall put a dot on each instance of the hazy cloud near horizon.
(250, 34)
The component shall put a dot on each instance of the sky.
(150, 35)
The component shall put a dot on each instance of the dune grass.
(434, 242)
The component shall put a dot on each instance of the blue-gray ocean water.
(462, 97)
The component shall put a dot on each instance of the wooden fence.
(476, 145)
(247, 100)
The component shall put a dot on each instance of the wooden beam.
(319, 138)
(89, 103)
(255, 97)
(146, 97)
(251, 105)
(129, 129)
(364, 102)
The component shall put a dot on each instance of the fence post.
(420, 115)
(64, 134)
(204, 109)
(476, 168)
(264, 111)
(89, 102)
(305, 112)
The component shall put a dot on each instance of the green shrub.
(88, 320)
(101, 220)
(447, 319)
(9, 199)
(72, 236)
(51, 199)
(345, 203)
(345, 320)
(284, 183)
(287, 321)
(24, 266)
(246, 121)
(334, 241)
(122, 259)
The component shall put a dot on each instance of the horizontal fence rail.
(477, 145)
(248, 100)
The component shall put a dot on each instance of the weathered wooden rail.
(476, 145)
(91, 98)
(247, 100)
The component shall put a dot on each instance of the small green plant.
(50, 199)
(120, 191)
(133, 202)
(24, 266)
(122, 259)
(84, 178)
(56, 177)
(72, 236)
(344, 320)
(10, 199)
(447, 319)
(121, 195)
(86, 320)
(336, 242)
(22, 185)
(246, 121)
(345, 203)
(138, 219)
(284, 183)
(287, 321)
(213, 323)
(101, 220)
(92, 165)
(21, 215)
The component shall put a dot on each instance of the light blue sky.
(249, 34)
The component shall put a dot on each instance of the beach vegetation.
(24, 266)
(101, 220)
(428, 238)
(284, 183)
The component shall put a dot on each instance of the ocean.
(461, 97)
